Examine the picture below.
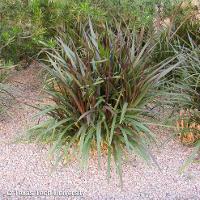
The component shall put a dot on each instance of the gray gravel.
(25, 169)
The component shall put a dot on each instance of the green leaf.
(112, 128)
(124, 109)
(98, 138)
(86, 148)
(117, 153)
(59, 140)
(124, 132)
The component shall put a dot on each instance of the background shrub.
(27, 23)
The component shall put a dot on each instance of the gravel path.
(25, 170)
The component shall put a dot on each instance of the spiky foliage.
(100, 91)
(189, 79)
(189, 75)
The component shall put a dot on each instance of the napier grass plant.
(100, 90)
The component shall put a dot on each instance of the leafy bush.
(100, 92)
(28, 23)
(23, 26)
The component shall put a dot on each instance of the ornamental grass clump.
(100, 89)
(189, 80)
(189, 75)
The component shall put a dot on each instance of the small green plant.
(99, 92)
